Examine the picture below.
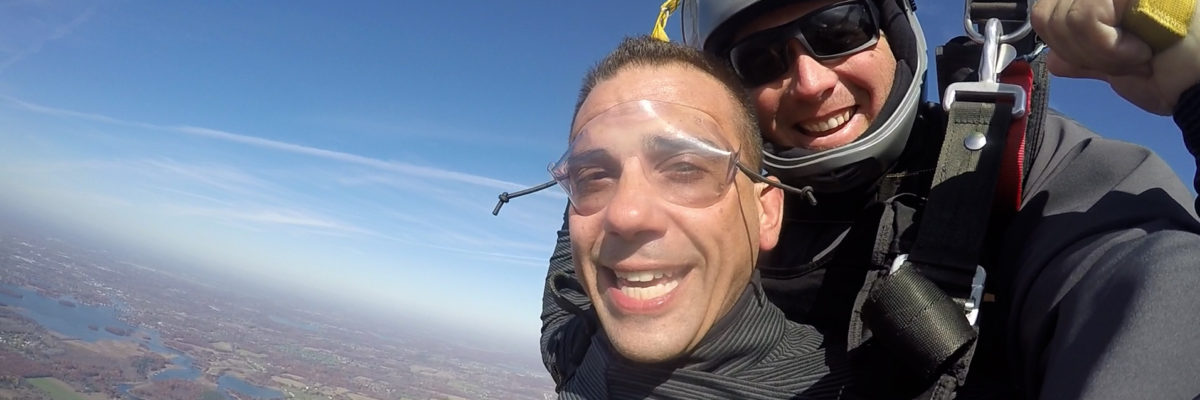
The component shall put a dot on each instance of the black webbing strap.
(915, 311)
(954, 223)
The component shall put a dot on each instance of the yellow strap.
(660, 26)
(1160, 23)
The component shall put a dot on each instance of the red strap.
(1010, 182)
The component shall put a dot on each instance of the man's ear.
(770, 214)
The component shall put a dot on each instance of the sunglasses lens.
(758, 64)
(839, 30)
(829, 33)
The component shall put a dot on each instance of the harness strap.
(1007, 197)
(946, 249)
(1012, 167)
(954, 223)
(917, 310)
(955, 64)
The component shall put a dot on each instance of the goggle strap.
(805, 192)
(506, 196)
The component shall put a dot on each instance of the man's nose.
(634, 209)
(811, 80)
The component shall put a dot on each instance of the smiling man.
(668, 215)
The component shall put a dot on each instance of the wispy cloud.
(185, 193)
(103, 199)
(482, 254)
(462, 233)
(389, 166)
(408, 183)
(170, 174)
(251, 211)
(56, 33)
(421, 128)
(226, 178)
(273, 217)
(56, 167)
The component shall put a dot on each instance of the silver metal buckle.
(973, 303)
(969, 26)
(996, 56)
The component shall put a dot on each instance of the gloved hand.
(1087, 41)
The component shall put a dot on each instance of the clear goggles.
(675, 152)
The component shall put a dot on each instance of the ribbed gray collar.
(754, 352)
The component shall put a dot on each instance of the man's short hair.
(645, 51)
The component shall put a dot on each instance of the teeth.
(646, 293)
(642, 276)
(833, 122)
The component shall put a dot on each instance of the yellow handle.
(1160, 23)
(660, 25)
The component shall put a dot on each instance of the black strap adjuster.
(972, 303)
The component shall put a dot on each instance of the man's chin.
(647, 350)
(649, 338)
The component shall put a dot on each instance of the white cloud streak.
(230, 180)
(166, 171)
(389, 166)
(58, 33)
(272, 216)
(210, 199)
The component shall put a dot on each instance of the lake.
(68, 317)
(227, 382)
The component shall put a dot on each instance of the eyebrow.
(654, 144)
(659, 144)
(591, 155)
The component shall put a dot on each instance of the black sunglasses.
(829, 32)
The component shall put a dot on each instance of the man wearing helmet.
(1087, 289)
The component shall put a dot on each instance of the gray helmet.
(710, 25)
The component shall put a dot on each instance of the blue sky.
(355, 148)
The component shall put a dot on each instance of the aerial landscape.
(86, 323)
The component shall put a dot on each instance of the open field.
(58, 390)
(110, 348)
